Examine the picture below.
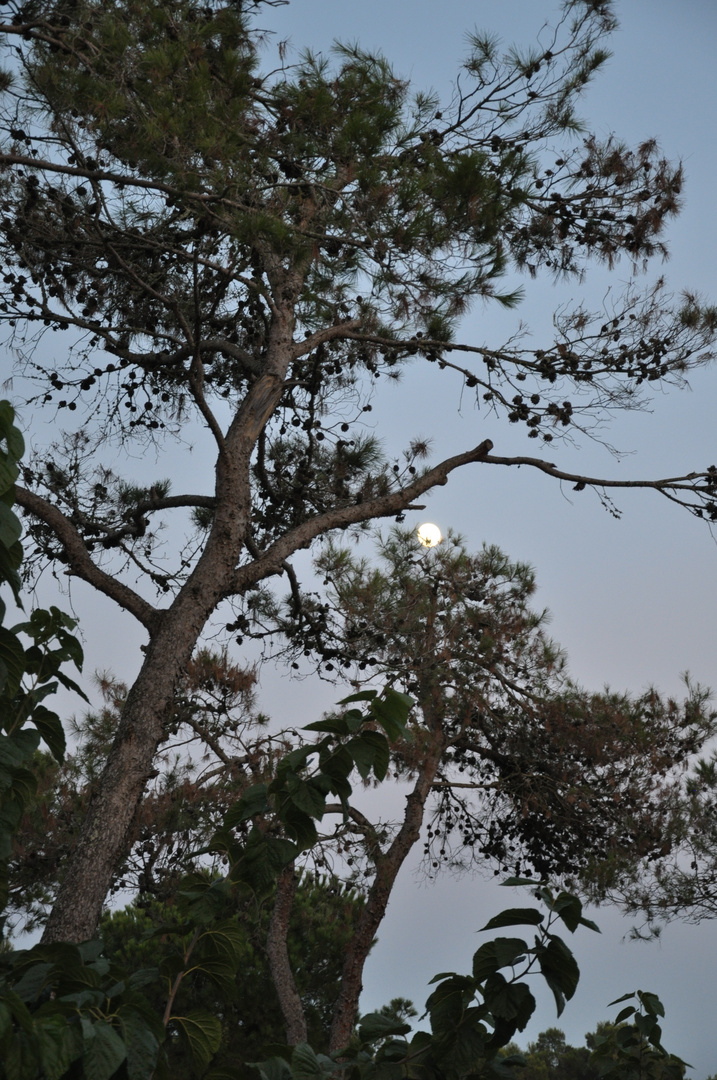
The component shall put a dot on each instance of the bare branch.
(701, 485)
(79, 562)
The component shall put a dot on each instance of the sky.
(633, 601)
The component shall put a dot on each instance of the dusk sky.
(633, 601)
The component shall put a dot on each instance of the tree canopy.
(205, 242)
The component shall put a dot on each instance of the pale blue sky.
(635, 601)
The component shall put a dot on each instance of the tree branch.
(701, 485)
(279, 964)
(79, 562)
(272, 561)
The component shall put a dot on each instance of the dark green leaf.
(306, 796)
(104, 1050)
(253, 801)
(376, 1026)
(304, 1063)
(361, 695)
(514, 917)
(336, 725)
(559, 970)
(203, 1034)
(568, 908)
(10, 527)
(12, 656)
(618, 1001)
(57, 1045)
(496, 954)
(651, 1003)
(509, 1001)
(141, 1042)
(50, 727)
(33, 981)
(274, 1068)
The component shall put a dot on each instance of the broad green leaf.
(12, 656)
(651, 1003)
(141, 1043)
(336, 725)
(514, 917)
(382, 755)
(370, 750)
(306, 796)
(392, 711)
(648, 1026)
(9, 432)
(10, 526)
(461, 1050)
(560, 970)
(299, 825)
(104, 1050)
(227, 939)
(568, 908)
(448, 1002)
(253, 801)
(262, 859)
(142, 977)
(361, 695)
(19, 747)
(624, 1014)
(203, 1033)
(34, 981)
(50, 727)
(91, 951)
(376, 1026)
(338, 765)
(220, 971)
(509, 1001)
(10, 560)
(274, 1068)
(304, 1063)
(363, 755)
(9, 473)
(502, 952)
(295, 760)
(57, 1044)
(5, 1022)
(618, 1001)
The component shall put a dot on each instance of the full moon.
(429, 535)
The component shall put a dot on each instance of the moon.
(429, 535)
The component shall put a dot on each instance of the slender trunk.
(387, 868)
(103, 838)
(276, 946)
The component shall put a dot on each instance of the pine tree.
(257, 252)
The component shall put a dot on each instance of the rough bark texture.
(277, 950)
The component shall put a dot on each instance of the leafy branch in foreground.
(27, 674)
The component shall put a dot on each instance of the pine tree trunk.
(277, 950)
(387, 868)
(173, 637)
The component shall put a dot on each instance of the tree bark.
(277, 950)
(173, 636)
(387, 868)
